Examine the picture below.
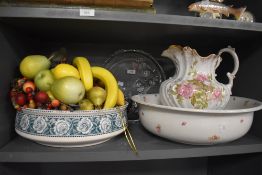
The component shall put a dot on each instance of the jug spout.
(175, 53)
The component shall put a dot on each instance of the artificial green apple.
(44, 79)
(68, 90)
(32, 64)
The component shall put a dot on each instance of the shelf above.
(120, 16)
(149, 147)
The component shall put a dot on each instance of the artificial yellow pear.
(32, 64)
(97, 96)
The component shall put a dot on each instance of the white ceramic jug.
(194, 85)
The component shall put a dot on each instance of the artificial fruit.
(65, 70)
(63, 107)
(32, 64)
(27, 86)
(29, 96)
(68, 90)
(120, 98)
(44, 79)
(111, 85)
(86, 104)
(41, 97)
(50, 95)
(55, 103)
(85, 72)
(97, 96)
(20, 99)
(32, 104)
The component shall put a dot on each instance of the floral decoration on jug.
(194, 85)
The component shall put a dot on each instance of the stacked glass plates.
(137, 72)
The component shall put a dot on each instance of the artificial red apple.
(41, 97)
(44, 80)
(28, 90)
(29, 96)
(20, 99)
(27, 86)
(49, 106)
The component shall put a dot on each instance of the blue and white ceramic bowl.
(70, 129)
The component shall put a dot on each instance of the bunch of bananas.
(108, 97)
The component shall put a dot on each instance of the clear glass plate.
(137, 72)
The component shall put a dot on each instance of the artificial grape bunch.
(25, 94)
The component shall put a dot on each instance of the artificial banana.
(85, 72)
(120, 98)
(111, 85)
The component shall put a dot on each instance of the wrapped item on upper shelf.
(110, 3)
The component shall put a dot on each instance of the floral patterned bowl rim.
(256, 105)
(71, 128)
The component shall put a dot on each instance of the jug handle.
(230, 76)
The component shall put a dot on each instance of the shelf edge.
(119, 16)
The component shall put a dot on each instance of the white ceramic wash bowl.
(70, 129)
(196, 126)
